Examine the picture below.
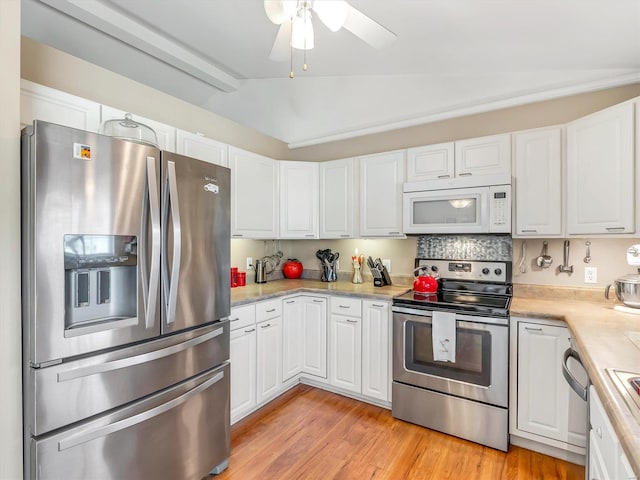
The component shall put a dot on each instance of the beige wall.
(551, 112)
(56, 69)
(10, 330)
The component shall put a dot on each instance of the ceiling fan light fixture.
(280, 11)
(302, 30)
(333, 13)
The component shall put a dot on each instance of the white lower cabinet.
(359, 347)
(269, 356)
(547, 411)
(346, 352)
(607, 460)
(375, 349)
(304, 336)
(243, 360)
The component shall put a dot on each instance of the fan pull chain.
(291, 51)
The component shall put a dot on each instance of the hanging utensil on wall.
(544, 260)
(587, 257)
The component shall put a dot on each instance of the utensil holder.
(329, 273)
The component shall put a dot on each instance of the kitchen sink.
(631, 397)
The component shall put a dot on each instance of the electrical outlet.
(249, 263)
(590, 275)
(387, 264)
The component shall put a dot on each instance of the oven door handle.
(573, 382)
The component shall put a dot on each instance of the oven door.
(480, 371)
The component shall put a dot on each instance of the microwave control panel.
(500, 209)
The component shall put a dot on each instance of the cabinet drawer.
(242, 316)
(346, 306)
(603, 433)
(268, 309)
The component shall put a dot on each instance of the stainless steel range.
(451, 351)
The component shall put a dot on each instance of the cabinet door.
(375, 349)
(546, 404)
(483, 156)
(298, 200)
(600, 172)
(243, 371)
(38, 102)
(166, 133)
(293, 336)
(269, 355)
(382, 176)
(254, 195)
(203, 148)
(338, 198)
(315, 336)
(346, 351)
(597, 468)
(430, 162)
(538, 182)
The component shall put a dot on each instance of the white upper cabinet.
(600, 172)
(298, 200)
(38, 102)
(338, 198)
(430, 162)
(203, 148)
(381, 177)
(538, 182)
(254, 195)
(483, 155)
(166, 133)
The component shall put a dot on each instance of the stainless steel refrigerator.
(125, 309)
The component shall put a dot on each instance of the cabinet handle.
(344, 306)
(599, 432)
(290, 301)
(352, 321)
(394, 233)
(271, 310)
(615, 229)
(237, 235)
(345, 236)
(533, 329)
(444, 176)
(377, 305)
(265, 326)
(249, 331)
(318, 301)
(529, 231)
(235, 319)
(310, 235)
(465, 174)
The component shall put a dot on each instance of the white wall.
(10, 330)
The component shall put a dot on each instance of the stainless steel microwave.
(458, 205)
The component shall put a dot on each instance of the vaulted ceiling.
(451, 57)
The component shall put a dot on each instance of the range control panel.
(484, 271)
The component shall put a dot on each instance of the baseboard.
(572, 457)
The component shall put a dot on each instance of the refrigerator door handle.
(151, 279)
(80, 372)
(172, 201)
(103, 431)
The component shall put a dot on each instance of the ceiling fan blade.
(368, 29)
(281, 49)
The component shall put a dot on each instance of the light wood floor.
(310, 434)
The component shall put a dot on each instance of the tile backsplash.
(465, 247)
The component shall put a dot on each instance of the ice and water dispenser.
(100, 280)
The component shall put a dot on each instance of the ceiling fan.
(296, 27)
